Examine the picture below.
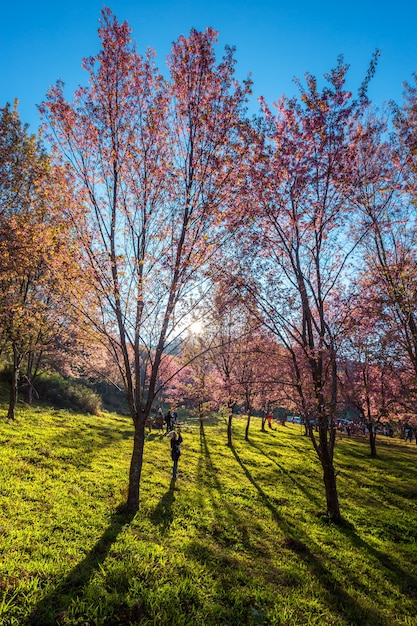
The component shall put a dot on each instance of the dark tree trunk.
(247, 427)
(28, 395)
(229, 429)
(14, 386)
(230, 405)
(372, 440)
(31, 372)
(200, 413)
(329, 476)
(136, 465)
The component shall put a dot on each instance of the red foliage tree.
(35, 251)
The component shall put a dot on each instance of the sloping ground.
(240, 539)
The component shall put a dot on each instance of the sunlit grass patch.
(240, 539)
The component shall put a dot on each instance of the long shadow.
(211, 471)
(406, 582)
(163, 514)
(208, 476)
(296, 540)
(277, 517)
(311, 496)
(83, 444)
(47, 612)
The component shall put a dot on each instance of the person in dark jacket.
(168, 421)
(176, 441)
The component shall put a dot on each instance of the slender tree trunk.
(247, 427)
(200, 413)
(229, 428)
(13, 394)
(28, 395)
(329, 476)
(28, 389)
(136, 465)
(372, 440)
(230, 405)
(14, 385)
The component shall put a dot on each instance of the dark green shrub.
(113, 399)
(5, 373)
(67, 393)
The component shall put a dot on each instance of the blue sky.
(275, 40)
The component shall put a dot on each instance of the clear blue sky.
(41, 41)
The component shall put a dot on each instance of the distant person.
(269, 419)
(176, 441)
(168, 421)
(149, 423)
(159, 420)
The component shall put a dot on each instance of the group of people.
(170, 419)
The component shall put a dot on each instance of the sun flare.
(196, 328)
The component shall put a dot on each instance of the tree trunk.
(29, 377)
(247, 427)
(229, 429)
(28, 395)
(372, 440)
(230, 405)
(136, 465)
(14, 386)
(329, 477)
(200, 413)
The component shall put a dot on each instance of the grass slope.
(239, 540)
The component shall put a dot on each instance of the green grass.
(241, 539)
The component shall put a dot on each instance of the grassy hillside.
(241, 539)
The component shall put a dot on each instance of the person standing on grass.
(159, 421)
(176, 441)
(168, 421)
(408, 433)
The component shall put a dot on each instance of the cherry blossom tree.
(370, 375)
(154, 162)
(384, 196)
(303, 244)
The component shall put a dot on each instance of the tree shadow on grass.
(297, 541)
(265, 500)
(49, 610)
(208, 479)
(307, 492)
(405, 581)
